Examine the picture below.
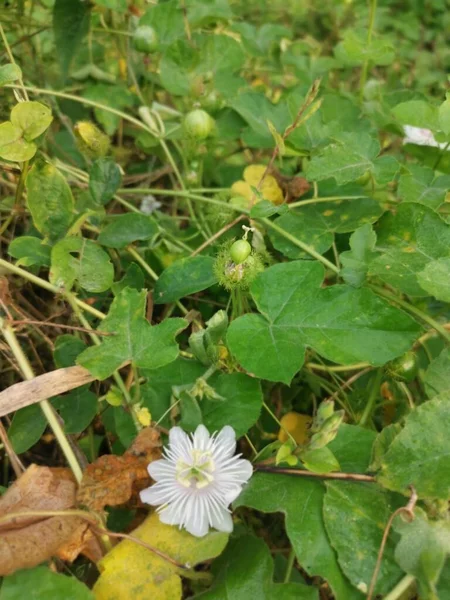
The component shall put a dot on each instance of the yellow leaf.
(297, 425)
(132, 571)
(252, 175)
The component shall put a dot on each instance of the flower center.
(198, 471)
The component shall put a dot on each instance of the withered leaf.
(112, 480)
(28, 541)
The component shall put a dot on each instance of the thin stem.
(338, 368)
(217, 235)
(321, 200)
(374, 391)
(364, 71)
(300, 473)
(290, 566)
(11, 58)
(21, 184)
(401, 587)
(277, 420)
(47, 408)
(308, 249)
(48, 286)
(413, 310)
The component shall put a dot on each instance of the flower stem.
(364, 71)
(47, 408)
(290, 566)
(401, 587)
(413, 310)
(375, 389)
(308, 249)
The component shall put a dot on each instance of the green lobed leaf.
(347, 159)
(12, 146)
(355, 517)
(407, 241)
(147, 346)
(343, 324)
(76, 259)
(41, 583)
(420, 185)
(435, 278)
(104, 180)
(318, 223)
(245, 570)
(301, 499)
(9, 73)
(417, 113)
(27, 426)
(418, 455)
(49, 200)
(422, 550)
(183, 277)
(355, 262)
(30, 251)
(33, 118)
(71, 19)
(240, 407)
(126, 229)
(355, 49)
(167, 21)
(437, 376)
(77, 409)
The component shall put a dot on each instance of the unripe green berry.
(145, 39)
(240, 251)
(198, 124)
(404, 368)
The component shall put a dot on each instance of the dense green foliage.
(238, 213)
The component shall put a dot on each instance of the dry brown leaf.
(28, 541)
(42, 387)
(112, 480)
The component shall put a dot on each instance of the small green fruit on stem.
(198, 124)
(404, 368)
(145, 39)
(240, 251)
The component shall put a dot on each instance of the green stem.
(320, 200)
(21, 184)
(413, 310)
(276, 419)
(338, 368)
(401, 587)
(374, 392)
(48, 286)
(363, 79)
(290, 566)
(11, 58)
(45, 405)
(308, 249)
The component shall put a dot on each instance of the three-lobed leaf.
(133, 339)
(341, 323)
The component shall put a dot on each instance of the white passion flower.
(421, 137)
(197, 480)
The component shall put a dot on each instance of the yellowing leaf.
(269, 189)
(132, 571)
(297, 425)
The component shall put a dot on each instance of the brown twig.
(407, 510)
(310, 97)
(71, 327)
(219, 233)
(16, 463)
(299, 473)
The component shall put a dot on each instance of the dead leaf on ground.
(112, 480)
(28, 541)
